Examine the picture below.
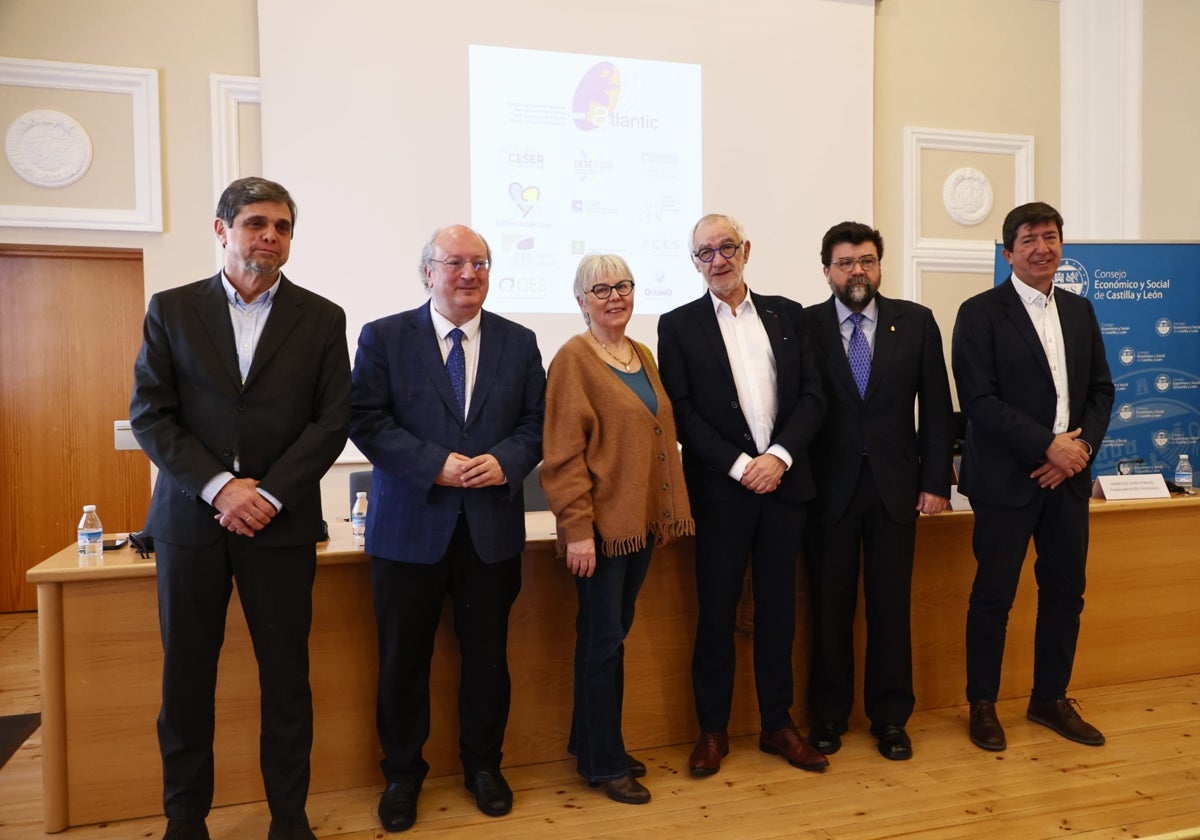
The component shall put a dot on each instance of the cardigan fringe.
(662, 534)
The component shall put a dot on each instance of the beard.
(855, 295)
(262, 265)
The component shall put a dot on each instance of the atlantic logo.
(1072, 276)
(595, 104)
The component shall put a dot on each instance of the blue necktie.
(456, 366)
(859, 354)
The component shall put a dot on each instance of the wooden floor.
(1144, 783)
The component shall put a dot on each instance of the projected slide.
(578, 153)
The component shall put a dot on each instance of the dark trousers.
(275, 588)
(1058, 522)
(408, 606)
(730, 533)
(886, 548)
(606, 606)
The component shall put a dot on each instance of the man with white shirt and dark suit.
(1036, 390)
(447, 404)
(747, 398)
(241, 399)
(877, 468)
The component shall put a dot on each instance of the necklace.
(615, 358)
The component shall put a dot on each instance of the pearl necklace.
(626, 364)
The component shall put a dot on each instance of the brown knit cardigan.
(608, 463)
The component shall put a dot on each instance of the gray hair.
(251, 191)
(427, 251)
(594, 267)
(737, 226)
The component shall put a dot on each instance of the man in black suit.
(1035, 386)
(739, 370)
(241, 397)
(876, 470)
(447, 403)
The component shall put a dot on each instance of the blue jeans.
(606, 602)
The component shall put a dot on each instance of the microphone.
(1125, 465)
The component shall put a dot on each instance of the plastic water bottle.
(358, 518)
(91, 533)
(1183, 473)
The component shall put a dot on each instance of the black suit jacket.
(697, 375)
(1007, 393)
(192, 415)
(908, 455)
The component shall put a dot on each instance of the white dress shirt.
(1043, 312)
(752, 362)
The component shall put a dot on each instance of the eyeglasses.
(603, 291)
(705, 255)
(456, 266)
(868, 263)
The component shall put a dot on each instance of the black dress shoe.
(492, 794)
(398, 806)
(894, 743)
(186, 830)
(986, 731)
(1060, 715)
(636, 768)
(290, 828)
(626, 790)
(826, 736)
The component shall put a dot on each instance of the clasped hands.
(763, 473)
(242, 509)
(1067, 456)
(481, 471)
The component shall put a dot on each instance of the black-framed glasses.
(456, 265)
(868, 263)
(706, 255)
(603, 291)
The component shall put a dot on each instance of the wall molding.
(227, 93)
(141, 85)
(971, 256)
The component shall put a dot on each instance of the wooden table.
(101, 658)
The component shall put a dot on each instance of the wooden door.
(70, 328)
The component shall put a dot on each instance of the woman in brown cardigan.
(614, 480)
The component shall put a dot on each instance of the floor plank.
(1142, 783)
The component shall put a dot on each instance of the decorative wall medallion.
(967, 196)
(48, 148)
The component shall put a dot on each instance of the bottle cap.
(89, 508)
(362, 494)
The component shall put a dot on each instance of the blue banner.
(1147, 300)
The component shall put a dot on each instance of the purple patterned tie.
(456, 366)
(859, 354)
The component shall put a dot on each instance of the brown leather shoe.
(788, 743)
(626, 790)
(986, 731)
(1060, 715)
(708, 752)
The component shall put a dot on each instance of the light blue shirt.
(248, 320)
(869, 322)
